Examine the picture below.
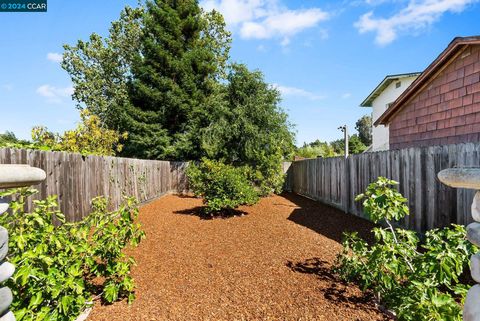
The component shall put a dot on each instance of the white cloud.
(54, 94)
(324, 35)
(378, 2)
(261, 48)
(7, 87)
(418, 15)
(266, 19)
(238, 11)
(298, 92)
(55, 57)
(346, 95)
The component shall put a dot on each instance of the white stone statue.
(12, 176)
(469, 178)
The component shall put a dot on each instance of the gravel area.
(272, 263)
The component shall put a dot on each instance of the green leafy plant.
(223, 187)
(89, 138)
(61, 269)
(419, 280)
(315, 149)
(382, 201)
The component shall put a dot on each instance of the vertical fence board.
(76, 179)
(336, 181)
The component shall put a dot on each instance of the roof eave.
(368, 102)
(455, 47)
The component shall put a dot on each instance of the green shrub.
(60, 269)
(269, 177)
(419, 280)
(223, 187)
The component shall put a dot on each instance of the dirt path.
(271, 264)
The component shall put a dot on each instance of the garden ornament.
(12, 176)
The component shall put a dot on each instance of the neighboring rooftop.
(384, 84)
(454, 49)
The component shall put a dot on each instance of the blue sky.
(324, 56)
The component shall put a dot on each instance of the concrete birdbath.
(12, 176)
(469, 178)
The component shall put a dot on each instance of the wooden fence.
(76, 179)
(336, 181)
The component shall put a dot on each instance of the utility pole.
(346, 181)
(344, 129)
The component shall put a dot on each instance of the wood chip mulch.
(274, 263)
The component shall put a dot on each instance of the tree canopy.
(172, 78)
(89, 138)
(164, 76)
(355, 145)
(364, 129)
(8, 138)
(100, 67)
(250, 128)
(316, 149)
(153, 75)
(358, 143)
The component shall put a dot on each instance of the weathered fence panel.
(336, 181)
(287, 186)
(76, 179)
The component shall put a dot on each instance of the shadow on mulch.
(200, 212)
(183, 195)
(336, 290)
(326, 220)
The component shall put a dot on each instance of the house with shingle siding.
(380, 99)
(442, 106)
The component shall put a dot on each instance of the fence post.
(12, 176)
(469, 178)
(346, 185)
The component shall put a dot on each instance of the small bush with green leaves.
(419, 280)
(60, 270)
(223, 187)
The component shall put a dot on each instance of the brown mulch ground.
(271, 264)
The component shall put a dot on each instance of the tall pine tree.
(172, 79)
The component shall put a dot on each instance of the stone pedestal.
(469, 178)
(12, 176)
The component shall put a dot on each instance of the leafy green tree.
(338, 146)
(194, 54)
(418, 278)
(316, 149)
(223, 187)
(316, 143)
(89, 138)
(355, 145)
(364, 128)
(181, 58)
(8, 139)
(171, 90)
(250, 128)
(100, 67)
